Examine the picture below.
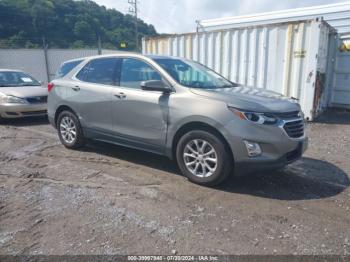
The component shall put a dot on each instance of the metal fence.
(43, 64)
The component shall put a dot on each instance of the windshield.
(17, 79)
(192, 74)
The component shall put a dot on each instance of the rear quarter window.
(65, 68)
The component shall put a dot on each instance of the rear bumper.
(52, 121)
(22, 110)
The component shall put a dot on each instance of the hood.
(24, 91)
(250, 99)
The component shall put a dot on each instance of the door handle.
(76, 88)
(120, 95)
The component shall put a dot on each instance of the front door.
(139, 117)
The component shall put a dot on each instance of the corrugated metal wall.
(279, 57)
(337, 15)
(33, 61)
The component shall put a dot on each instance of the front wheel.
(203, 158)
(70, 131)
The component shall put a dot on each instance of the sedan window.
(9, 79)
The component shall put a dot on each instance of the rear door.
(90, 95)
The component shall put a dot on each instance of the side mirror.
(155, 85)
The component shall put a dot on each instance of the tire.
(67, 119)
(196, 163)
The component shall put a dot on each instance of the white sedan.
(21, 95)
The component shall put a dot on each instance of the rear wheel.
(69, 130)
(203, 158)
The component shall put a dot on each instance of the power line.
(134, 11)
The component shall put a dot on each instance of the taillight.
(50, 86)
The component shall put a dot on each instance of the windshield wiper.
(226, 86)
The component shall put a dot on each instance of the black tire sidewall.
(225, 161)
(80, 140)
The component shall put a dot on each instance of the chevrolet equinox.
(179, 108)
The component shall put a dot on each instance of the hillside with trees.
(66, 24)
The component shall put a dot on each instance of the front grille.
(294, 129)
(31, 113)
(288, 115)
(37, 99)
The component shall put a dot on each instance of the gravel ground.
(107, 199)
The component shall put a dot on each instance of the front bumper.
(278, 149)
(258, 164)
(22, 110)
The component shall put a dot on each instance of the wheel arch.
(197, 125)
(60, 109)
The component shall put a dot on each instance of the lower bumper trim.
(247, 167)
(32, 113)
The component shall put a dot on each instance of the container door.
(341, 79)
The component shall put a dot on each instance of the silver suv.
(178, 108)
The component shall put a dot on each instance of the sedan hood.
(24, 91)
(250, 99)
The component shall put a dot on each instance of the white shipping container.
(289, 58)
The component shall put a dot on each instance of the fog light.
(252, 148)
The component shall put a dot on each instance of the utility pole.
(134, 11)
(99, 45)
(45, 47)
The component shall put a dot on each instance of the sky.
(179, 16)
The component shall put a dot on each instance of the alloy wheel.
(68, 129)
(200, 158)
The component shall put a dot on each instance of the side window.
(66, 68)
(100, 71)
(83, 72)
(134, 71)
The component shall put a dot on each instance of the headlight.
(259, 118)
(4, 99)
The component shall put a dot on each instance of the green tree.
(66, 24)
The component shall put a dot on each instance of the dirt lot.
(107, 199)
